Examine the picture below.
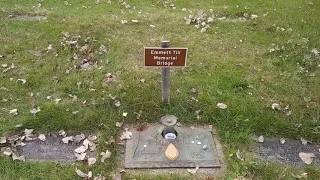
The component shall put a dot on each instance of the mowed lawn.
(74, 58)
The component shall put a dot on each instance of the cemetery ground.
(78, 66)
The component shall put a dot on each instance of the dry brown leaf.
(222, 106)
(105, 155)
(117, 103)
(79, 137)
(193, 171)
(28, 131)
(80, 157)
(99, 178)
(7, 151)
(62, 133)
(126, 135)
(35, 110)
(306, 157)
(42, 137)
(304, 141)
(89, 174)
(67, 139)
(119, 124)
(18, 126)
(261, 139)
(275, 106)
(81, 149)
(239, 156)
(282, 140)
(110, 141)
(81, 174)
(88, 143)
(3, 140)
(92, 137)
(91, 161)
(19, 158)
(14, 112)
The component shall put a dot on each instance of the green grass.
(212, 68)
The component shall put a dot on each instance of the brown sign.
(165, 57)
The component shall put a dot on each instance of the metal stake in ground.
(165, 73)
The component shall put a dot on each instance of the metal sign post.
(165, 74)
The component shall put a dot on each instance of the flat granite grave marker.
(287, 153)
(147, 148)
(52, 149)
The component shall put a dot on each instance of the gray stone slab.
(52, 149)
(146, 149)
(288, 153)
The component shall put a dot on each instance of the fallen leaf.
(135, 21)
(100, 177)
(91, 161)
(35, 110)
(253, 16)
(304, 175)
(80, 157)
(42, 137)
(306, 157)
(261, 139)
(105, 155)
(142, 80)
(88, 143)
(122, 171)
(3, 140)
(117, 103)
(28, 131)
(93, 147)
(14, 112)
(19, 143)
(222, 106)
(62, 133)
(19, 158)
(124, 114)
(23, 81)
(57, 100)
(89, 174)
(238, 154)
(81, 174)
(79, 137)
(152, 26)
(282, 140)
(18, 126)
(119, 124)
(81, 149)
(304, 141)
(92, 137)
(126, 135)
(124, 21)
(102, 49)
(7, 151)
(110, 140)
(193, 171)
(275, 106)
(67, 139)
